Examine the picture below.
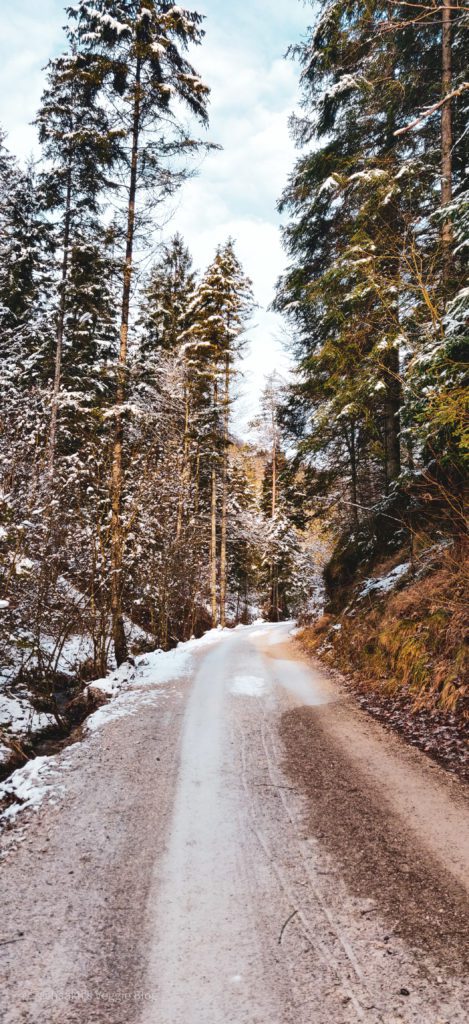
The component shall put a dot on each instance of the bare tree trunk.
(60, 326)
(392, 418)
(274, 465)
(117, 538)
(224, 510)
(213, 550)
(273, 567)
(197, 484)
(213, 525)
(350, 441)
(446, 139)
(275, 607)
(185, 475)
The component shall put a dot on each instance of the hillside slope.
(402, 642)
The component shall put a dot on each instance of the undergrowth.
(413, 640)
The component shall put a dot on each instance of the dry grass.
(414, 640)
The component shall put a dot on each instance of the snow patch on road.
(272, 632)
(308, 687)
(126, 704)
(248, 686)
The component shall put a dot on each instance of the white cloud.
(237, 190)
(31, 34)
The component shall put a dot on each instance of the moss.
(413, 639)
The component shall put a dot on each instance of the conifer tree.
(25, 250)
(80, 147)
(164, 319)
(362, 240)
(164, 316)
(141, 45)
(222, 307)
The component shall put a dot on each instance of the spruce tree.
(164, 316)
(79, 147)
(25, 252)
(221, 309)
(362, 240)
(141, 45)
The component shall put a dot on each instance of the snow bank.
(18, 716)
(153, 669)
(29, 786)
(384, 584)
(120, 707)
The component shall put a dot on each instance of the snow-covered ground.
(29, 786)
(132, 687)
(127, 690)
(19, 719)
(384, 584)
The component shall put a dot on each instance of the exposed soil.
(373, 845)
(443, 737)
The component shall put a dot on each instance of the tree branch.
(431, 110)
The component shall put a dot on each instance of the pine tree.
(25, 249)
(245, 533)
(362, 241)
(80, 147)
(222, 307)
(24, 346)
(164, 316)
(141, 45)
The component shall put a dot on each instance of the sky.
(254, 90)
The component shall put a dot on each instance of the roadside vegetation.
(376, 296)
(135, 510)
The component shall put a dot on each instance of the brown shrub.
(413, 640)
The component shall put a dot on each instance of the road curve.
(248, 848)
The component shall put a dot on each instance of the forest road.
(248, 848)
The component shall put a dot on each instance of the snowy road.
(246, 847)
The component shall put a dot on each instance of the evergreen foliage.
(376, 288)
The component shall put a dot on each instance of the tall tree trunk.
(213, 549)
(274, 466)
(213, 525)
(273, 567)
(117, 539)
(393, 230)
(446, 140)
(351, 444)
(186, 468)
(60, 326)
(224, 508)
(275, 607)
(392, 415)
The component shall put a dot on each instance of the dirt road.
(246, 847)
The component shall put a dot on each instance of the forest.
(135, 510)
